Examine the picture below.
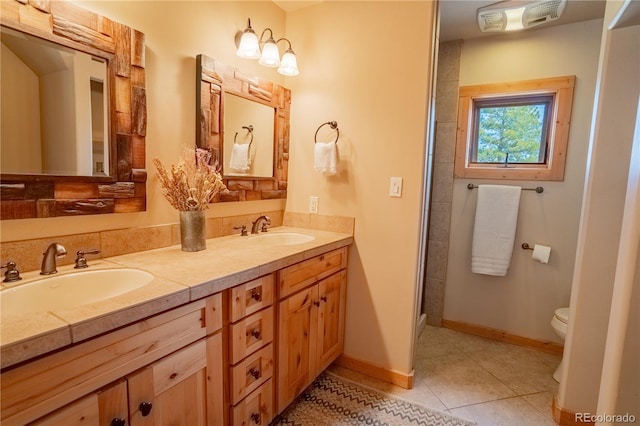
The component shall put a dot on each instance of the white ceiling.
(458, 17)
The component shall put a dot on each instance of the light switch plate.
(313, 204)
(395, 187)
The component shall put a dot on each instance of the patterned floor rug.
(332, 400)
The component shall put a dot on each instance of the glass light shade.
(270, 54)
(249, 47)
(514, 19)
(289, 64)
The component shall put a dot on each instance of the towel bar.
(333, 125)
(538, 189)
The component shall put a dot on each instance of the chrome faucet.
(266, 220)
(54, 251)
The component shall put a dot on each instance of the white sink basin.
(280, 238)
(70, 290)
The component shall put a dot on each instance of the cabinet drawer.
(251, 333)
(251, 297)
(255, 409)
(300, 275)
(249, 374)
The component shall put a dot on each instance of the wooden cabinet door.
(332, 297)
(105, 407)
(171, 391)
(297, 328)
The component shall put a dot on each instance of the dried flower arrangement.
(193, 183)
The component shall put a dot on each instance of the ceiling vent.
(516, 15)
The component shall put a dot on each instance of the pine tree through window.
(517, 130)
(511, 130)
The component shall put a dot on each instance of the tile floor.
(478, 379)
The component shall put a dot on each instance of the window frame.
(560, 89)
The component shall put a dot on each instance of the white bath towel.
(326, 158)
(239, 161)
(494, 229)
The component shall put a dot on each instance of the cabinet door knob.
(255, 373)
(316, 303)
(118, 422)
(255, 333)
(324, 298)
(255, 417)
(145, 408)
(256, 295)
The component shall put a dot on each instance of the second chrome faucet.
(52, 252)
(256, 225)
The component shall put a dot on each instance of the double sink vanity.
(228, 335)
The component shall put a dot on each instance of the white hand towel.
(239, 161)
(326, 158)
(494, 229)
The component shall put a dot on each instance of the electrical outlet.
(395, 187)
(313, 204)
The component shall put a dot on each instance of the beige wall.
(175, 31)
(20, 128)
(611, 140)
(523, 302)
(366, 65)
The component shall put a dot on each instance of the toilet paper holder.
(526, 246)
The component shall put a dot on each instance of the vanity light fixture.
(514, 15)
(269, 56)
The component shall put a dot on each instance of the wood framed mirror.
(121, 188)
(218, 87)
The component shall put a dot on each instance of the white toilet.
(559, 324)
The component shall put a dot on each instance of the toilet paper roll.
(541, 253)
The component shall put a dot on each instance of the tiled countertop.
(179, 277)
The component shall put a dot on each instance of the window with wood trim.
(514, 130)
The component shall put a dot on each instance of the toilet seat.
(562, 314)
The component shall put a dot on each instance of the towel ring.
(250, 130)
(333, 125)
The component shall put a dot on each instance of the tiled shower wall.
(442, 191)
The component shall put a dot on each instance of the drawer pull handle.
(255, 417)
(324, 298)
(255, 333)
(145, 408)
(256, 295)
(255, 373)
(118, 422)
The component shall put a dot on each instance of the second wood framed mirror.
(244, 121)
